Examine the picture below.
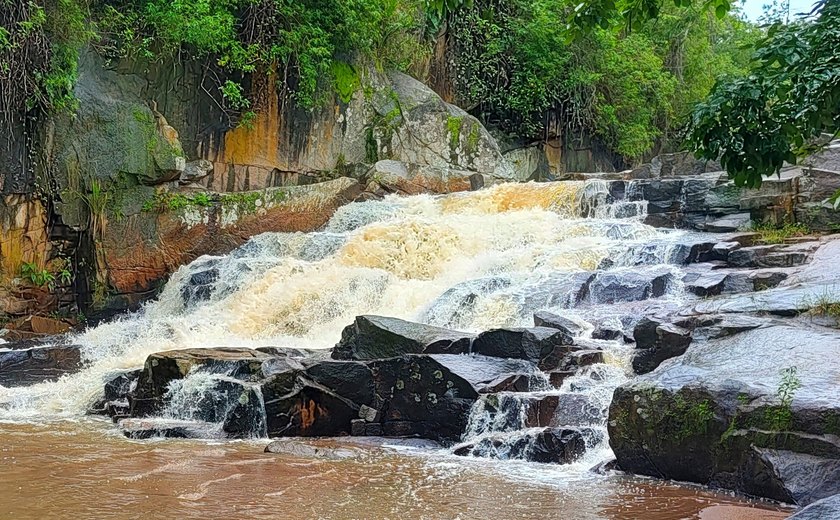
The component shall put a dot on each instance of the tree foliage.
(297, 40)
(789, 99)
(515, 63)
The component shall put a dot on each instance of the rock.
(35, 364)
(558, 290)
(146, 246)
(425, 130)
(303, 450)
(824, 509)
(707, 284)
(298, 407)
(532, 344)
(161, 369)
(167, 428)
(528, 163)
(607, 332)
(117, 390)
(818, 216)
(629, 285)
(780, 301)
(771, 255)
(566, 409)
(199, 286)
(715, 415)
(195, 170)
(721, 250)
(378, 337)
(728, 223)
(553, 321)
(34, 326)
(414, 179)
(546, 445)
(666, 341)
(428, 396)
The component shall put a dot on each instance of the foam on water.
(404, 257)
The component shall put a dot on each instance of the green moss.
(245, 202)
(473, 138)
(371, 147)
(688, 419)
(345, 80)
(453, 129)
(177, 202)
(141, 116)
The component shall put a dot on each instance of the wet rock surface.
(27, 363)
(377, 337)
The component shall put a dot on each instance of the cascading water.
(470, 261)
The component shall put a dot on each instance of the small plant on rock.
(780, 418)
(37, 276)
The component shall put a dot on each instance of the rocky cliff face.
(151, 172)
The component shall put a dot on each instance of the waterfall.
(468, 260)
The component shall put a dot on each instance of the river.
(468, 261)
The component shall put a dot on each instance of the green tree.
(782, 108)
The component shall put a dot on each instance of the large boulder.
(26, 363)
(378, 337)
(414, 125)
(754, 411)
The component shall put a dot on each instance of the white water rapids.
(470, 261)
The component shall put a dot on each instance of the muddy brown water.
(87, 470)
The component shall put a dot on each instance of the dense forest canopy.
(627, 73)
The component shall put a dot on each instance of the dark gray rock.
(553, 321)
(547, 445)
(295, 406)
(35, 364)
(629, 285)
(657, 341)
(715, 416)
(378, 337)
(707, 284)
(532, 344)
(162, 368)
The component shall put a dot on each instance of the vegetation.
(517, 69)
(783, 108)
(826, 304)
(37, 276)
(780, 418)
(773, 234)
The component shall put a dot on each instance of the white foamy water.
(472, 260)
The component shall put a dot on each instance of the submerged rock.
(755, 412)
(379, 337)
(545, 445)
(164, 368)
